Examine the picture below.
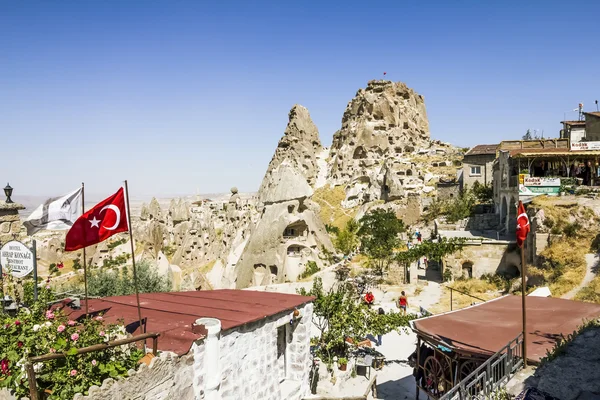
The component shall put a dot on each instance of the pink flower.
(48, 287)
(60, 265)
(101, 333)
(49, 314)
(52, 351)
(73, 372)
(72, 323)
(17, 322)
(94, 362)
(4, 366)
(19, 344)
(98, 318)
(74, 337)
(61, 328)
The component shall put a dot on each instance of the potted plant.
(342, 363)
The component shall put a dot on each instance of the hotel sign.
(18, 258)
(584, 146)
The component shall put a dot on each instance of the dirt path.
(592, 261)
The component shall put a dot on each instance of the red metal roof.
(485, 328)
(172, 314)
(481, 149)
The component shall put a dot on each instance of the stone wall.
(485, 257)
(249, 364)
(10, 223)
(483, 222)
(167, 377)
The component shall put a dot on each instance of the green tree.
(379, 236)
(346, 240)
(338, 315)
(527, 135)
(483, 193)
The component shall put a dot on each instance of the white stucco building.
(218, 344)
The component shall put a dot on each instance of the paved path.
(592, 262)
(395, 380)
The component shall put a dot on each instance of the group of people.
(586, 171)
(402, 304)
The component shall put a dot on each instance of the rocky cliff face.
(288, 233)
(299, 146)
(383, 120)
(383, 150)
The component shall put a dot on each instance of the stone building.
(592, 126)
(478, 165)
(217, 344)
(573, 130)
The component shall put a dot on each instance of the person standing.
(379, 337)
(403, 302)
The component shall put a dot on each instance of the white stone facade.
(253, 364)
(249, 363)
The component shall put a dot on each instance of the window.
(475, 170)
(281, 350)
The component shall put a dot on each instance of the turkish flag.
(522, 225)
(98, 224)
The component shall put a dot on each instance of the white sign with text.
(18, 258)
(582, 146)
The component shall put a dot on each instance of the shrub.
(105, 283)
(116, 243)
(311, 269)
(447, 275)
(572, 230)
(37, 331)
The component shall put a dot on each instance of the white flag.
(58, 213)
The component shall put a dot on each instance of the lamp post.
(8, 192)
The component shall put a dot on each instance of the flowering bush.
(37, 331)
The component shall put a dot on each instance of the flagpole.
(85, 285)
(523, 290)
(135, 281)
(524, 296)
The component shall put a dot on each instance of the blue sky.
(180, 96)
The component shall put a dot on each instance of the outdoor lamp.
(8, 192)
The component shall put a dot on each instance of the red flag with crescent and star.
(98, 224)
(522, 225)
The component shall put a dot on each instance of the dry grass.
(565, 264)
(206, 268)
(590, 293)
(476, 287)
(330, 201)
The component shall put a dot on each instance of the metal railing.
(33, 391)
(491, 375)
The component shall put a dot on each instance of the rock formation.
(299, 146)
(383, 150)
(385, 119)
(382, 156)
(289, 233)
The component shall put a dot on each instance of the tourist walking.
(379, 337)
(403, 302)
